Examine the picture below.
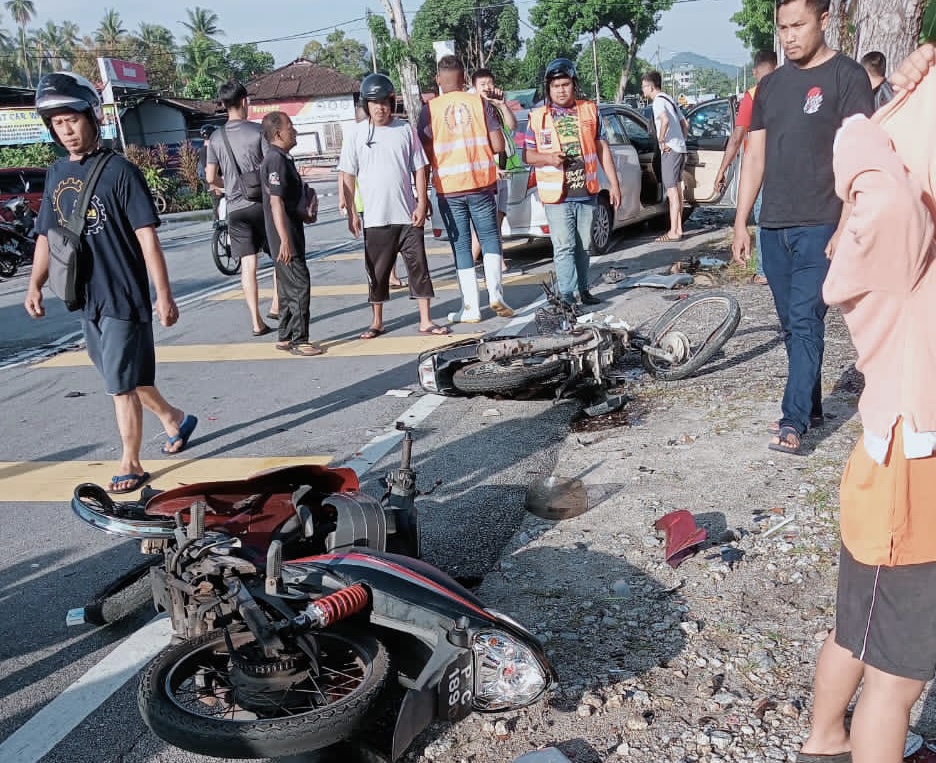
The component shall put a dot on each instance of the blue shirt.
(115, 279)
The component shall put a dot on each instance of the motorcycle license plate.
(456, 689)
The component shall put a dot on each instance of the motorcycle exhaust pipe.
(196, 525)
(503, 349)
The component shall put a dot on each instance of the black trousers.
(292, 287)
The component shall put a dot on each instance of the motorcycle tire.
(491, 377)
(123, 597)
(8, 266)
(187, 698)
(159, 200)
(224, 260)
(696, 351)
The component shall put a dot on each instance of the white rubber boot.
(493, 277)
(471, 299)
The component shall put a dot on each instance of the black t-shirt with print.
(279, 177)
(117, 285)
(801, 110)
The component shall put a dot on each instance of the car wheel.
(602, 226)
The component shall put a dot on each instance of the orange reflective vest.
(461, 156)
(550, 180)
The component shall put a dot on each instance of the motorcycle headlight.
(427, 377)
(507, 673)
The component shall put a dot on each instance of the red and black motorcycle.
(296, 628)
(17, 235)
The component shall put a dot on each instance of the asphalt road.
(256, 407)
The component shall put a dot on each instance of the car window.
(711, 121)
(637, 133)
(613, 130)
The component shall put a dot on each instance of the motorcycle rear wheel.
(693, 329)
(188, 698)
(224, 260)
(491, 377)
(123, 597)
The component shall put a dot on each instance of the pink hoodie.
(882, 275)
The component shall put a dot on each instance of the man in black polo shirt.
(798, 109)
(285, 230)
(121, 246)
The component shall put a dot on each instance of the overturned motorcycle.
(572, 352)
(296, 629)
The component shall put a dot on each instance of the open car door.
(710, 127)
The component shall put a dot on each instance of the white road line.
(35, 738)
(41, 733)
(367, 457)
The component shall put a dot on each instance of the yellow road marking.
(355, 289)
(54, 481)
(359, 255)
(388, 344)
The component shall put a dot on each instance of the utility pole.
(595, 64)
(408, 80)
(480, 54)
(373, 42)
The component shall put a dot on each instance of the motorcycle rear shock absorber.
(334, 607)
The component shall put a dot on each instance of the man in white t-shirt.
(387, 156)
(672, 129)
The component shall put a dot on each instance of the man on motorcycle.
(120, 239)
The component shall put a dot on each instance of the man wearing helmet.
(205, 133)
(238, 158)
(120, 247)
(565, 141)
(461, 135)
(384, 153)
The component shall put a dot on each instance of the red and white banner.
(118, 73)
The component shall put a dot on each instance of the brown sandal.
(305, 349)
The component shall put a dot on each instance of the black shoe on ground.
(590, 299)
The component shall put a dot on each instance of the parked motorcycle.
(574, 352)
(296, 628)
(17, 236)
(224, 259)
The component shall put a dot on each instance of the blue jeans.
(459, 213)
(757, 236)
(796, 267)
(570, 225)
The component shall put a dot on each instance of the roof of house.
(301, 79)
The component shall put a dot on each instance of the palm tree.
(52, 44)
(202, 57)
(71, 37)
(155, 35)
(202, 22)
(22, 12)
(110, 32)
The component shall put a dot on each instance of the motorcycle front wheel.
(202, 697)
(8, 265)
(492, 377)
(691, 332)
(227, 262)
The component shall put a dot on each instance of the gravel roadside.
(711, 662)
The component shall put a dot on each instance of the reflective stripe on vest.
(549, 180)
(462, 159)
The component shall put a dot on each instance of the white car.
(637, 160)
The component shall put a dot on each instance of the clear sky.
(698, 26)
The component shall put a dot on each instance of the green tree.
(345, 54)
(542, 48)
(612, 58)
(486, 34)
(756, 24)
(154, 46)
(630, 23)
(110, 33)
(246, 62)
(202, 62)
(22, 12)
(705, 81)
(202, 22)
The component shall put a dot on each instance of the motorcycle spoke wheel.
(202, 697)
(489, 377)
(691, 332)
(227, 262)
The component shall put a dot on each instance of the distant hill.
(700, 62)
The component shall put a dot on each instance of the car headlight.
(507, 673)
(427, 377)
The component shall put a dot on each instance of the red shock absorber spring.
(339, 605)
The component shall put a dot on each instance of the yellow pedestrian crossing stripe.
(360, 289)
(359, 254)
(55, 481)
(388, 344)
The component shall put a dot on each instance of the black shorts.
(886, 616)
(247, 230)
(381, 245)
(123, 352)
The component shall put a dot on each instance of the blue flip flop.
(136, 482)
(185, 431)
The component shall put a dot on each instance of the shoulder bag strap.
(227, 145)
(76, 222)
